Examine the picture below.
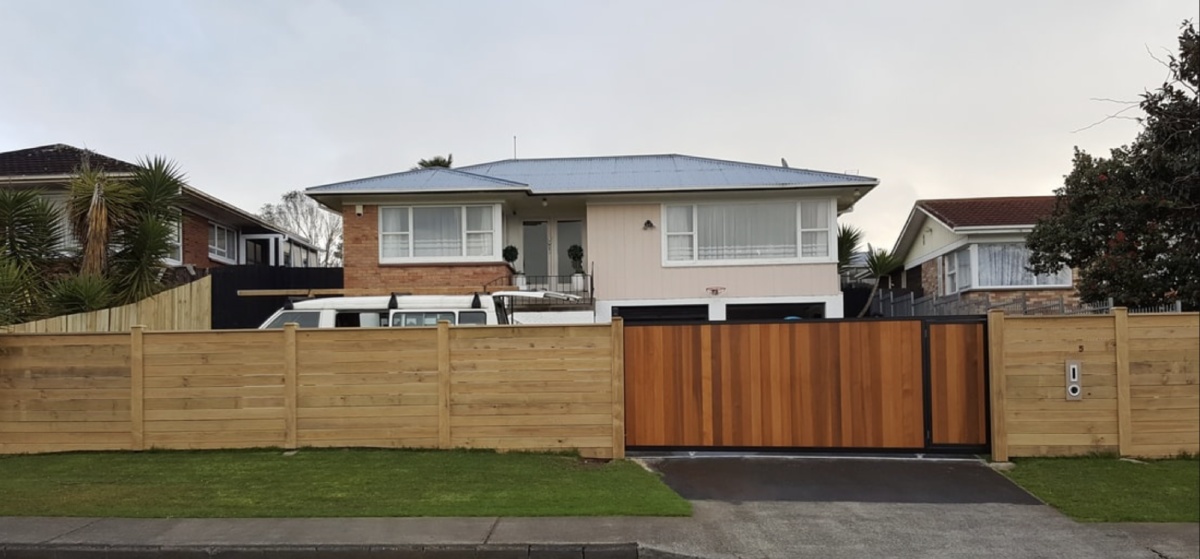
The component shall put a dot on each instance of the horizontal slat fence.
(505, 388)
(1140, 379)
(187, 307)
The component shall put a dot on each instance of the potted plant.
(578, 280)
(510, 254)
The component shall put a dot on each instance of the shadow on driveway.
(839, 479)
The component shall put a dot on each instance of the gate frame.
(926, 389)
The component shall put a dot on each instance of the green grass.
(1104, 489)
(328, 483)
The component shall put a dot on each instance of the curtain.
(479, 231)
(963, 268)
(1004, 264)
(437, 231)
(746, 231)
(394, 232)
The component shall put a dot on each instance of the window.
(1007, 265)
(353, 319)
(956, 271)
(421, 318)
(222, 243)
(472, 317)
(176, 255)
(305, 319)
(764, 231)
(417, 233)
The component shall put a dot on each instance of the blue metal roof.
(421, 180)
(583, 175)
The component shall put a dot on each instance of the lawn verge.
(1105, 489)
(328, 483)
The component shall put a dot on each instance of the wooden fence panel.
(507, 388)
(1140, 392)
(64, 392)
(373, 388)
(820, 385)
(214, 389)
(957, 378)
(187, 307)
(531, 387)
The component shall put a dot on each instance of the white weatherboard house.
(664, 237)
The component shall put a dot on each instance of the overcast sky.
(255, 98)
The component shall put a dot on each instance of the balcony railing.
(579, 285)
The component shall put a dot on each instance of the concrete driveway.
(818, 507)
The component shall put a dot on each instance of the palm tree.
(849, 237)
(126, 227)
(434, 162)
(30, 234)
(881, 263)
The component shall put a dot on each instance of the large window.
(431, 233)
(746, 232)
(1007, 265)
(222, 243)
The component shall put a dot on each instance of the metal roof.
(584, 175)
(633, 173)
(419, 180)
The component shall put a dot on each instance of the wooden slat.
(996, 343)
(290, 384)
(617, 388)
(137, 394)
(443, 391)
(957, 383)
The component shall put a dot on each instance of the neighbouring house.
(212, 232)
(973, 250)
(664, 237)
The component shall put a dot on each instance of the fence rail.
(508, 388)
(187, 307)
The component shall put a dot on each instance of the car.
(403, 310)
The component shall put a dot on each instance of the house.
(973, 250)
(664, 237)
(211, 233)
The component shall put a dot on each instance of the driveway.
(817, 507)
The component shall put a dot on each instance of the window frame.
(830, 230)
(178, 241)
(497, 235)
(1070, 274)
(213, 227)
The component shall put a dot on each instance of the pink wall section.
(628, 264)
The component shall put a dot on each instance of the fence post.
(443, 348)
(912, 306)
(137, 387)
(617, 330)
(1124, 410)
(290, 389)
(996, 376)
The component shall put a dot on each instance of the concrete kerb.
(472, 551)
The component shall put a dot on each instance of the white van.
(403, 310)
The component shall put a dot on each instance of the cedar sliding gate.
(877, 385)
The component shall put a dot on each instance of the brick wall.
(1038, 301)
(195, 242)
(929, 277)
(363, 270)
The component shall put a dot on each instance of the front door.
(544, 254)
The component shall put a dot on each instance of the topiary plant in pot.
(510, 255)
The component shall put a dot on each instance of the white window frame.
(831, 236)
(497, 235)
(975, 269)
(178, 241)
(217, 256)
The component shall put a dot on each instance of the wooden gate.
(827, 384)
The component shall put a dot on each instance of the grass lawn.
(1104, 489)
(328, 483)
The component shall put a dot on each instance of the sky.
(256, 98)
